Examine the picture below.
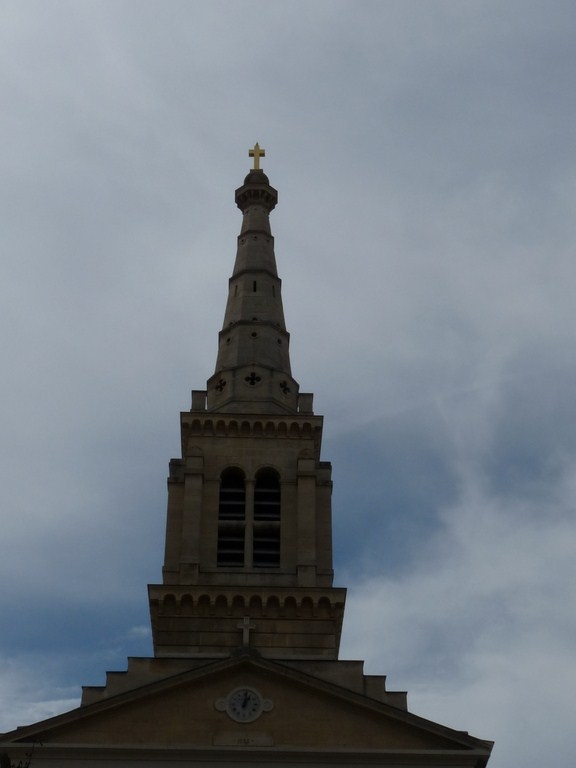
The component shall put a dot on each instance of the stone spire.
(253, 363)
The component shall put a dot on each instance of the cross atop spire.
(252, 373)
(256, 153)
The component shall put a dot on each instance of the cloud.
(475, 624)
(26, 697)
(424, 235)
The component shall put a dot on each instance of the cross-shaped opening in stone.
(252, 379)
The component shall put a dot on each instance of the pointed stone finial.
(256, 153)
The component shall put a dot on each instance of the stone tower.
(246, 623)
(249, 521)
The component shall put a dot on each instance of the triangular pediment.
(193, 710)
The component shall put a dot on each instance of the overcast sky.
(424, 153)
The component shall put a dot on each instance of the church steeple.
(253, 364)
(249, 531)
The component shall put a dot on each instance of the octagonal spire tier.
(253, 371)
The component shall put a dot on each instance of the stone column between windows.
(192, 515)
(306, 501)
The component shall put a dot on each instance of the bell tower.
(248, 559)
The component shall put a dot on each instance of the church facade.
(246, 622)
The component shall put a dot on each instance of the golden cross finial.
(256, 153)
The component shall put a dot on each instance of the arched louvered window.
(266, 530)
(231, 518)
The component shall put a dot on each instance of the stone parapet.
(278, 623)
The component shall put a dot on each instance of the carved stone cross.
(246, 626)
(253, 379)
(256, 153)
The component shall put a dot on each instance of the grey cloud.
(423, 156)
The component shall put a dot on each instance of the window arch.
(266, 531)
(267, 495)
(232, 502)
(249, 535)
(231, 518)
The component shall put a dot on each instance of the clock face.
(244, 705)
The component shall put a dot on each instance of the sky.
(424, 155)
